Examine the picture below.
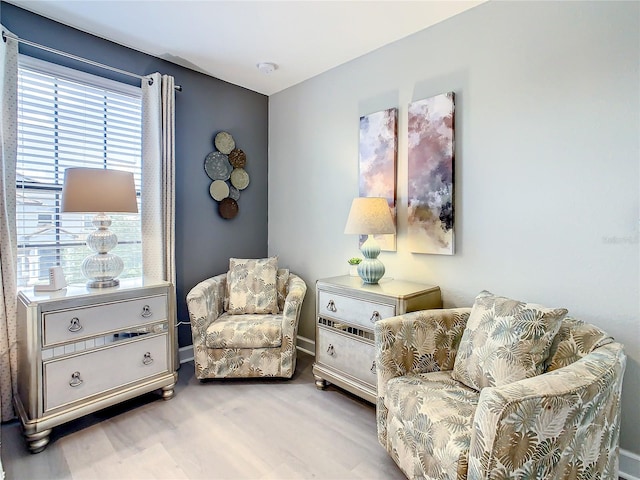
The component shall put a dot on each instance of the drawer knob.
(331, 306)
(331, 351)
(146, 311)
(147, 360)
(74, 325)
(375, 316)
(373, 367)
(75, 381)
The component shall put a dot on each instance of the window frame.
(54, 188)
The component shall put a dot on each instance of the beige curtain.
(8, 239)
(158, 178)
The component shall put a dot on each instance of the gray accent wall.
(206, 105)
(547, 163)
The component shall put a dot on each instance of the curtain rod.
(80, 59)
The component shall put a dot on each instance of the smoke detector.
(267, 67)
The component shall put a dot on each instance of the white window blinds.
(68, 119)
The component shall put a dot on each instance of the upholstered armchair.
(562, 421)
(230, 343)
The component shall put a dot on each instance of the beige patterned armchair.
(559, 423)
(230, 344)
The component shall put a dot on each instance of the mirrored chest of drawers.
(346, 310)
(81, 350)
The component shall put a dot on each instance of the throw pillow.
(505, 341)
(251, 285)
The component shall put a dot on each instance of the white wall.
(547, 163)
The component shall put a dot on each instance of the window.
(68, 119)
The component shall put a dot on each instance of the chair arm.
(296, 290)
(205, 303)
(561, 424)
(416, 342)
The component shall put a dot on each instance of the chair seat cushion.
(245, 331)
(429, 424)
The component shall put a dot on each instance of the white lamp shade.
(369, 216)
(98, 190)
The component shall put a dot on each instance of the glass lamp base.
(101, 269)
(114, 282)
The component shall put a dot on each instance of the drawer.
(347, 354)
(75, 324)
(78, 377)
(353, 310)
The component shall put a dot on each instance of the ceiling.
(227, 39)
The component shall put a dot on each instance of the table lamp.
(370, 216)
(100, 191)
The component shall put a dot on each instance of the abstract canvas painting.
(430, 175)
(378, 156)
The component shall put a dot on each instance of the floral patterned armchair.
(231, 339)
(560, 421)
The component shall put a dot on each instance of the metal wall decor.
(226, 168)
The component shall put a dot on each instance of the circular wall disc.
(219, 190)
(224, 142)
(237, 158)
(234, 193)
(239, 178)
(228, 208)
(217, 166)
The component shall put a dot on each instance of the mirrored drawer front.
(74, 324)
(66, 349)
(81, 376)
(353, 310)
(347, 355)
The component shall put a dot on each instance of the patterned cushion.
(505, 340)
(575, 340)
(252, 285)
(430, 423)
(245, 331)
(282, 278)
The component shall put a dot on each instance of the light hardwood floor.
(228, 429)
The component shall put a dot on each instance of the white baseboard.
(306, 345)
(185, 354)
(629, 467)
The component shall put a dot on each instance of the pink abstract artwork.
(378, 156)
(430, 175)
